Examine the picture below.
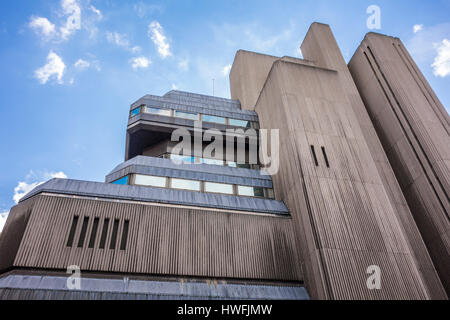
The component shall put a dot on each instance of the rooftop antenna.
(213, 87)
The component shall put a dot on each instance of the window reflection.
(158, 111)
(219, 187)
(239, 123)
(215, 119)
(152, 181)
(185, 184)
(212, 161)
(186, 115)
(135, 111)
(182, 159)
(123, 180)
(250, 191)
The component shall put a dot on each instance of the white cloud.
(82, 64)
(184, 64)
(417, 28)
(23, 187)
(140, 62)
(3, 217)
(441, 64)
(72, 9)
(121, 40)
(226, 69)
(422, 44)
(43, 27)
(54, 68)
(156, 33)
(96, 11)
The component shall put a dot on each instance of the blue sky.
(71, 68)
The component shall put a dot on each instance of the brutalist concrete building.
(361, 191)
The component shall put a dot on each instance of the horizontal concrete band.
(205, 172)
(189, 105)
(151, 289)
(159, 195)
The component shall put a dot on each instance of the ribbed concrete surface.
(413, 127)
(165, 240)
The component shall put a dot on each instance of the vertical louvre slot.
(314, 156)
(123, 242)
(73, 228)
(104, 233)
(112, 245)
(83, 232)
(93, 233)
(325, 157)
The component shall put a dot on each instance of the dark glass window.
(112, 245)
(93, 233)
(123, 242)
(83, 232)
(104, 233)
(73, 228)
(314, 156)
(325, 157)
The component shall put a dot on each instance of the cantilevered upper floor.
(153, 119)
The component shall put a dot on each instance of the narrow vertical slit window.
(314, 156)
(325, 157)
(104, 233)
(112, 244)
(83, 232)
(93, 233)
(123, 242)
(73, 228)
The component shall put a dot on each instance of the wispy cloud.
(441, 64)
(82, 64)
(72, 10)
(417, 28)
(143, 9)
(121, 40)
(140, 63)
(96, 11)
(55, 67)
(118, 39)
(42, 27)
(156, 33)
(254, 36)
